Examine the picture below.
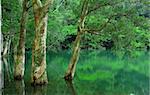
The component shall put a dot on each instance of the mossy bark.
(39, 74)
(20, 56)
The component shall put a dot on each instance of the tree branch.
(83, 15)
(97, 31)
(61, 2)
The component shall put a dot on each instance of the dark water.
(97, 73)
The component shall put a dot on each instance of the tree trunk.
(6, 48)
(1, 65)
(20, 57)
(76, 49)
(74, 59)
(39, 74)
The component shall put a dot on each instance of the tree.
(39, 74)
(1, 66)
(76, 49)
(11, 12)
(20, 56)
(106, 25)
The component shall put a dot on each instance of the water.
(97, 73)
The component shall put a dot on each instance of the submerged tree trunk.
(76, 49)
(39, 74)
(20, 57)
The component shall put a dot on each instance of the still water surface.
(97, 73)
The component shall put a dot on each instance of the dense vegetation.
(127, 28)
(41, 25)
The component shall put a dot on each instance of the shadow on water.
(98, 73)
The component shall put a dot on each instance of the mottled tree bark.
(76, 48)
(39, 74)
(20, 57)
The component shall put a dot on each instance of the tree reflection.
(39, 90)
(1, 76)
(7, 68)
(71, 87)
(20, 87)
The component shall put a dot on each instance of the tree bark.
(1, 65)
(74, 59)
(39, 74)
(76, 49)
(20, 57)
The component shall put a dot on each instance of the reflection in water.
(71, 87)
(20, 87)
(1, 77)
(7, 69)
(39, 90)
(98, 73)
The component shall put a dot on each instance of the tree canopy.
(123, 22)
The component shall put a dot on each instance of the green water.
(97, 73)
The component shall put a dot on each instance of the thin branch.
(61, 2)
(83, 15)
(92, 31)
(97, 31)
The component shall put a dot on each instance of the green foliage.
(128, 27)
